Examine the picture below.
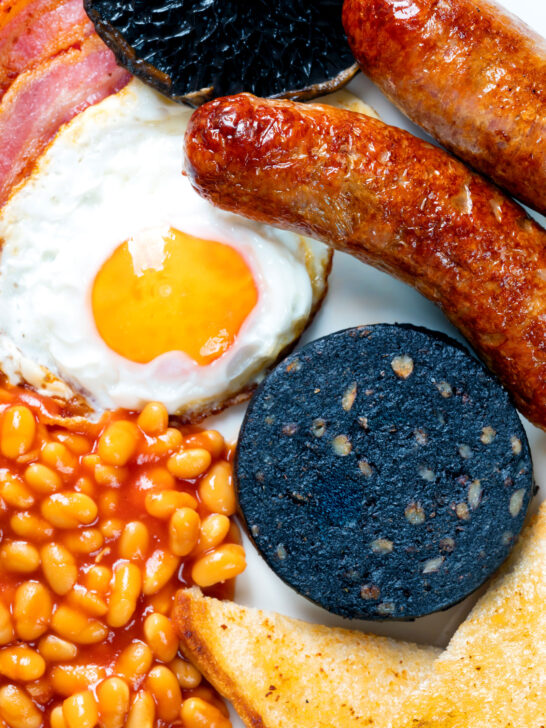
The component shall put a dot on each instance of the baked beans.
(102, 524)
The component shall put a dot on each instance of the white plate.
(361, 295)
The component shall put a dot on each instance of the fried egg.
(120, 285)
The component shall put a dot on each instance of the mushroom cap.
(196, 50)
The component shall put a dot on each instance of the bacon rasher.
(31, 31)
(67, 69)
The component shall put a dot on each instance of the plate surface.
(360, 295)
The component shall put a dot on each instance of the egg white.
(112, 174)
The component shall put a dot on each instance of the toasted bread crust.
(280, 672)
(190, 615)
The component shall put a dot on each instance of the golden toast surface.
(282, 673)
(493, 673)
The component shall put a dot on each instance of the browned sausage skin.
(469, 73)
(395, 202)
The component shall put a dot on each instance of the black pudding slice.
(382, 472)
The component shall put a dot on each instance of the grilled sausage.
(469, 73)
(393, 201)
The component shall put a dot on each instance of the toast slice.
(493, 673)
(282, 673)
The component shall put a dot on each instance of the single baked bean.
(187, 675)
(21, 663)
(216, 489)
(85, 485)
(17, 709)
(167, 443)
(154, 419)
(56, 717)
(159, 568)
(163, 685)
(86, 541)
(224, 562)
(109, 503)
(113, 697)
(79, 444)
(206, 693)
(98, 578)
(27, 525)
(211, 440)
(126, 585)
(87, 601)
(134, 661)
(6, 627)
(42, 479)
(17, 432)
(59, 568)
(213, 531)
(69, 509)
(164, 504)
(19, 556)
(55, 649)
(90, 461)
(32, 609)
(58, 457)
(111, 528)
(111, 475)
(80, 710)
(118, 443)
(197, 713)
(74, 626)
(161, 637)
(134, 541)
(162, 601)
(14, 491)
(159, 478)
(70, 679)
(183, 531)
(142, 712)
(189, 464)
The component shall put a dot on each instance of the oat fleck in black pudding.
(383, 472)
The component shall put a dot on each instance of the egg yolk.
(186, 294)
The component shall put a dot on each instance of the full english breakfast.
(381, 471)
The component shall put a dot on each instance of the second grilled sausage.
(395, 202)
(469, 73)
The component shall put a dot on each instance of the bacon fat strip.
(469, 73)
(43, 99)
(31, 31)
(395, 202)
